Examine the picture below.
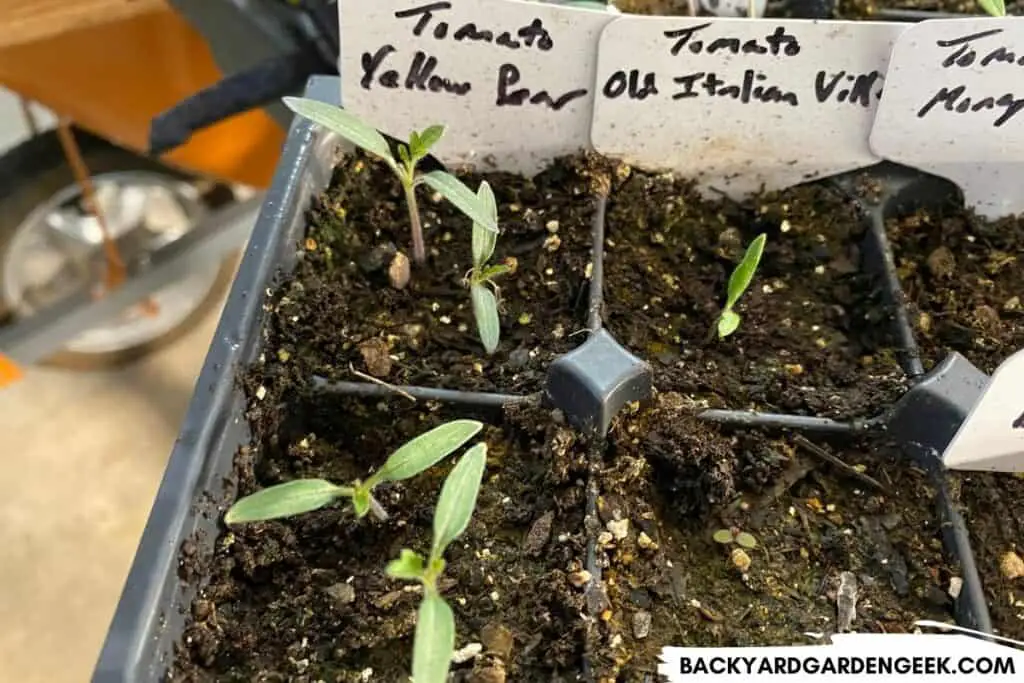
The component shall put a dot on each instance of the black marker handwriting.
(747, 91)
(955, 100)
(858, 90)
(532, 34)
(1019, 422)
(777, 42)
(966, 55)
(620, 83)
(508, 76)
(420, 75)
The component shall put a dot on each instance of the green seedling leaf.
(723, 536)
(361, 501)
(425, 451)
(728, 323)
(434, 641)
(409, 566)
(485, 310)
(745, 540)
(743, 275)
(285, 500)
(404, 154)
(458, 499)
(343, 123)
(484, 240)
(997, 8)
(428, 138)
(455, 191)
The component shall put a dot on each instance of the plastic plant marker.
(10, 373)
(740, 104)
(992, 437)
(516, 88)
(954, 107)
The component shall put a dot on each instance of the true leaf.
(728, 323)
(485, 310)
(745, 540)
(361, 501)
(343, 123)
(425, 451)
(455, 191)
(484, 240)
(404, 154)
(285, 500)
(434, 641)
(997, 8)
(744, 273)
(458, 499)
(430, 137)
(409, 565)
(723, 536)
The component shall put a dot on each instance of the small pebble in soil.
(956, 584)
(464, 654)
(645, 542)
(846, 601)
(641, 624)
(341, 593)
(497, 640)
(740, 559)
(539, 535)
(580, 578)
(1011, 565)
(605, 538)
(941, 262)
(619, 528)
(376, 357)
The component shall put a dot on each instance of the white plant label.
(991, 439)
(738, 104)
(954, 106)
(511, 80)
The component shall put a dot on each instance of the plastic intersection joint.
(928, 416)
(591, 383)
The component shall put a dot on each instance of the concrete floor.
(83, 454)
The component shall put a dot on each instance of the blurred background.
(83, 453)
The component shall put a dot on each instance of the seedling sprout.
(740, 538)
(742, 276)
(434, 639)
(481, 278)
(997, 8)
(305, 495)
(371, 141)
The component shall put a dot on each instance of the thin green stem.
(419, 251)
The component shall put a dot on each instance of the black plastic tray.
(151, 615)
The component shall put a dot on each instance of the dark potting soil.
(347, 315)
(677, 481)
(306, 599)
(815, 337)
(963, 280)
